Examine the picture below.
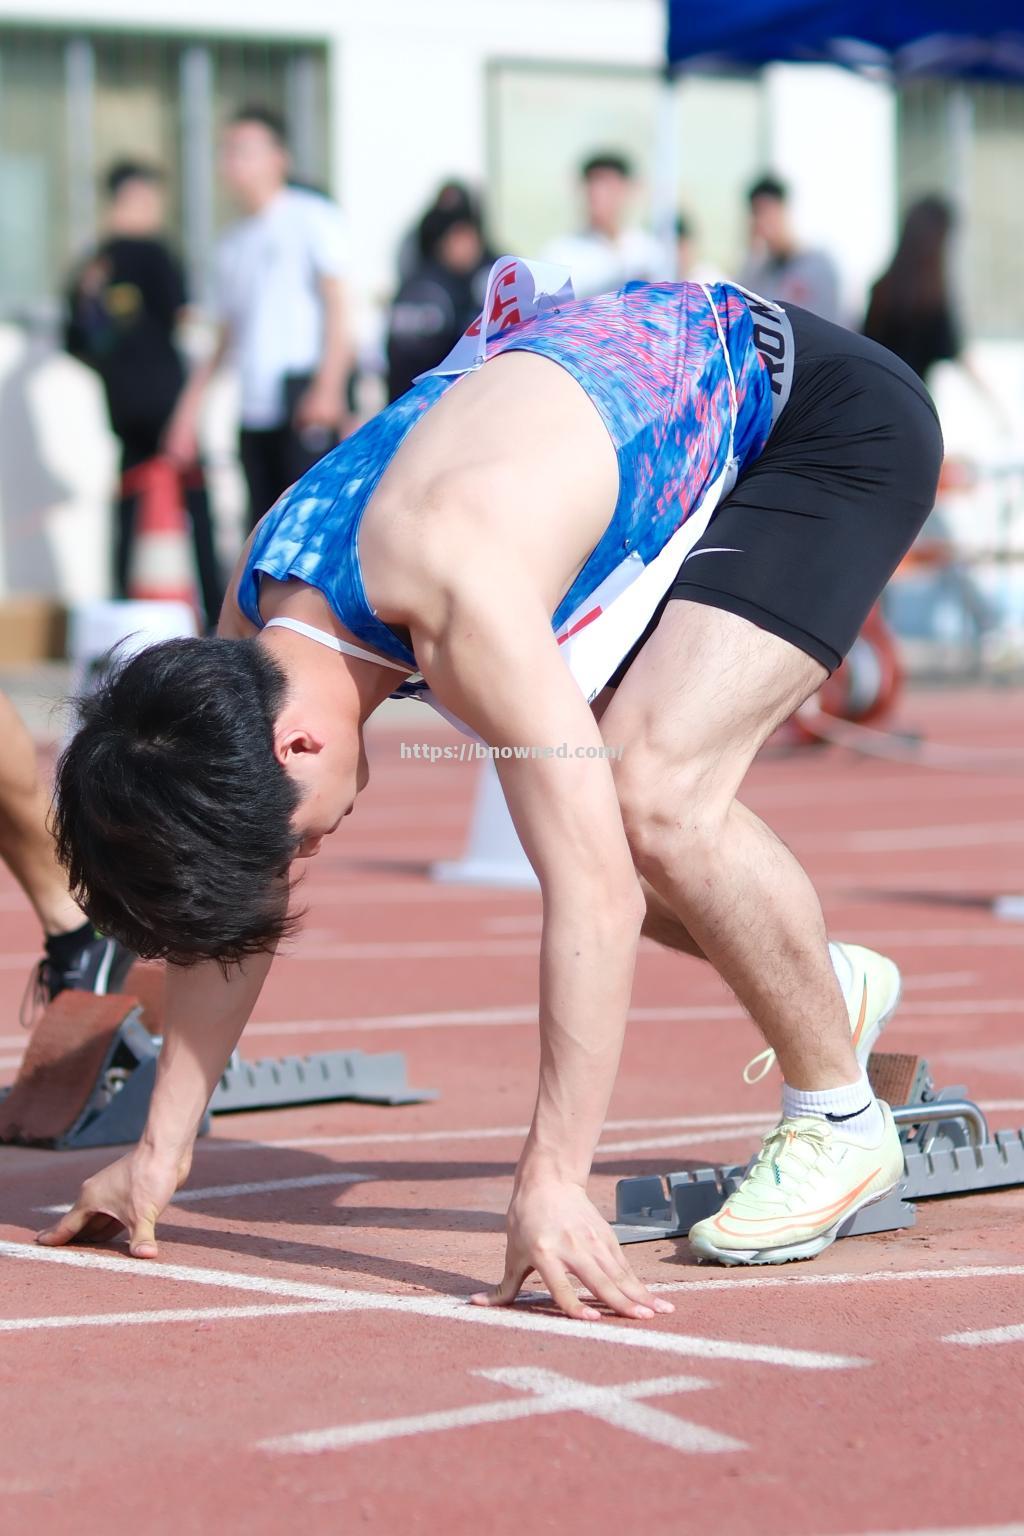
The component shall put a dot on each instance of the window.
(545, 119)
(34, 180)
(964, 141)
(72, 104)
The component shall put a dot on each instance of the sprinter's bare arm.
(488, 652)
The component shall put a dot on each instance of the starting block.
(322, 1078)
(85, 1079)
(87, 1074)
(279, 1081)
(947, 1150)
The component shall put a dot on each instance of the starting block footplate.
(947, 1150)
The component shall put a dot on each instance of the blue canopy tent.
(954, 39)
(983, 39)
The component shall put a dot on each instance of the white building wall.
(832, 136)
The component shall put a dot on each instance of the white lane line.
(417, 949)
(963, 1007)
(448, 1308)
(954, 1530)
(907, 839)
(623, 1407)
(460, 1018)
(167, 1315)
(496, 1018)
(268, 1186)
(263, 1187)
(726, 1124)
(1013, 1333)
(155, 1269)
(522, 1013)
(891, 940)
(692, 1139)
(727, 1282)
(469, 949)
(361, 891)
(478, 1133)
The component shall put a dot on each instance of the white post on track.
(494, 855)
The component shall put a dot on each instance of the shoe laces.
(791, 1151)
(758, 1067)
(40, 989)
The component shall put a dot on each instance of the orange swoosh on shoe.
(826, 1213)
(862, 1015)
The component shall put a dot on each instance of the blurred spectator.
(690, 267)
(910, 310)
(442, 295)
(123, 306)
(451, 196)
(778, 266)
(281, 303)
(610, 251)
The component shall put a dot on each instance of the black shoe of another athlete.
(99, 966)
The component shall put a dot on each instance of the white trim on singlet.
(334, 644)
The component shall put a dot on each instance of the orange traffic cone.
(161, 566)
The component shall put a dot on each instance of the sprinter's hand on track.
(131, 1194)
(553, 1228)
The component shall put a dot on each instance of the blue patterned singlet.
(651, 358)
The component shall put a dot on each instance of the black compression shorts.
(806, 541)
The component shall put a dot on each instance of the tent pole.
(665, 182)
(960, 138)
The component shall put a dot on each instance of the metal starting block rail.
(947, 1150)
(277, 1081)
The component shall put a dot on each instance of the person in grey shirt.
(778, 267)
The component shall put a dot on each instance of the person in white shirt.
(610, 251)
(281, 305)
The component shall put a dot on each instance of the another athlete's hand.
(131, 1194)
(180, 441)
(318, 408)
(553, 1228)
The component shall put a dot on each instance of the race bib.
(517, 290)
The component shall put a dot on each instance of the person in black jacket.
(911, 309)
(123, 308)
(441, 296)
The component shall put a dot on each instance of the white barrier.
(94, 629)
(494, 855)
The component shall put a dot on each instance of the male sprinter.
(457, 535)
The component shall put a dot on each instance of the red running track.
(302, 1357)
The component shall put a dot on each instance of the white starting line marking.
(1013, 1333)
(871, 1277)
(263, 1187)
(622, 1407)
(167, 1315)
(448, 1308)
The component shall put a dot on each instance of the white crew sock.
(843, 969)
(852, 1110)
